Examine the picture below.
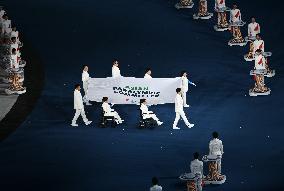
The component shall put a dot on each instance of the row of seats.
(11, 62)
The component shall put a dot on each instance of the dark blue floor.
(46, 154)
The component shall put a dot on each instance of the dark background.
(44, 153)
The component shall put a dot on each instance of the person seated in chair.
(216, 148)
(196, 167)
(148, 74)
(108, 112)
(146, 114)
(253, 29)
(235, 14)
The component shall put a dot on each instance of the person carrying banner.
(184, 86)
(85, 80)
(148, 73)
(115, 70)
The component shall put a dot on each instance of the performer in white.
(148, 74)
(259, 61)
(6, 24)
(85, 80)
(110, 112)
(79, 107)
(258, 44)
(216, 148)
(179, 110)
(14, 61)
(115, 70)
(184, 86)
(196, 167)
(235, 15)
(253, 29)
(146, 114)
(155, 186)
(220, 4)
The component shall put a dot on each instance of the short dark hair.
(178, 90)
(155, 181)
(105, 99)
(147, 70)
(76, 86)
(84, 66)
(196, 155)
(13, 38)
(114, 61)
(215, 134)
(182, 73)
(142, 101)
(14, 50)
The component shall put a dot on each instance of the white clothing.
(220, 4)
(259, 62)
(147, 76)
(258, 44)
(179, 111)
(110, 112)
(77, 114)
(115, 72)
(14, 61)
(14, 34)
(196, 167)
(85, 80)
(156, 188)
(2, 12)
(253, 29)
(78, 101)
(6, 26)
(235, 15)
(184, 88)
(147, 114)
(216, 147)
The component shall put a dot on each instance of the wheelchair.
(147, 122)
(106, 120)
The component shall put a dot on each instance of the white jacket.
(147, 76)
(156, 188)
(184, 84)
(14, 61)
(220, 4)
(107, 109)
(115, 72)
(253, 29)
(85, 76)
(144, 109)
(258, 44)
(196, 167)
(178, 103)
(78, 101)
(235, 15)
(216, 147)
(259, 62)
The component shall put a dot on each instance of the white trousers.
(115, 115)
(182, 115)
(153, 116)
(183, 94)
(77, 114)
(85, 87)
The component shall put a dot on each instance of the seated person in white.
(6, 24)
(196, 167)
(216, 148)
(115, 70)
(15, 45)
(146, 114)
(79, 107)
(14, 61)
(235, 14)
(15, 33)
(220, 4)
(108, 112)
(155, 186)
(148, 73)
(259, 60)
(258, 44)
(253, 29)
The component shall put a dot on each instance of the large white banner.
(128, 90)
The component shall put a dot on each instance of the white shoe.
(88, 103)
(159, 123)
(88, 122)
(74, 125)
(175, 127)
(190, 125)
(186, 105)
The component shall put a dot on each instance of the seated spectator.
(155, 186)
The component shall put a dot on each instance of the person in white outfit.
(184, 86)
(235, 14)
(110, 112)
(148, 74)
(216, 148)
(196, 168)
(146, 114)
(179, 110)
(155, 186)
(258, 44)
(85, 80)
(253, 29)
(115, 70)
(6, 24)
(79, 107)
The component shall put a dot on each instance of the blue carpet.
(44, 153)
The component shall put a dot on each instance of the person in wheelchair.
(146, 114)
(108, 112)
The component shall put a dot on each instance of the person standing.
(85, 80)
(79, 107)
(216, 148)
(184, 86)
(253, 29)
(179, 110)
(115, 69)
(196, 168)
